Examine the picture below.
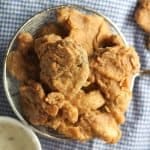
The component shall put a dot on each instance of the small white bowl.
(15, 136)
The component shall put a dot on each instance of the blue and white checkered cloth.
(136, 130)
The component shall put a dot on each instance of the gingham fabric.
(136, 130)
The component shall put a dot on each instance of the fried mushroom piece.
(32, 95)
(114, 68)
(64, 67)
(142, 15)
(116, 62)
(22, 67)
(23, 63)
(87, 30)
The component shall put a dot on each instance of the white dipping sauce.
(14, 137)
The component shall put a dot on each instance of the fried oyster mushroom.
(142, 15)
(64, 66)
(32, 96)
(113, 70)
(87, 30)
(23, 63)
(116, 62)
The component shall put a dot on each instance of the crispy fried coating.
(64, 67)
(87, 30)
(70, 112)
(104, 126)
(21, 67)
(32, 95)
(23, 63)
(90, 125)
(117, 96)
(74, 132)
(116, 62)
(16, 65)
(54, 102)
(142, 15)
(113, 68)
(88, 101)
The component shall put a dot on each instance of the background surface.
(136, 130)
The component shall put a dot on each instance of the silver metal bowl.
(31, 26)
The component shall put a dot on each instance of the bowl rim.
(6, 88)
(17, 123)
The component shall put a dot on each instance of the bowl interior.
(11, 85)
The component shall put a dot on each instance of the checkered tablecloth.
(136, 130)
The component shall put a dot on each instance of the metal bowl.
(31, 26)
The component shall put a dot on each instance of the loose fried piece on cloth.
(64, 67)
(32, 96)
(87, 30)
(142, 15)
